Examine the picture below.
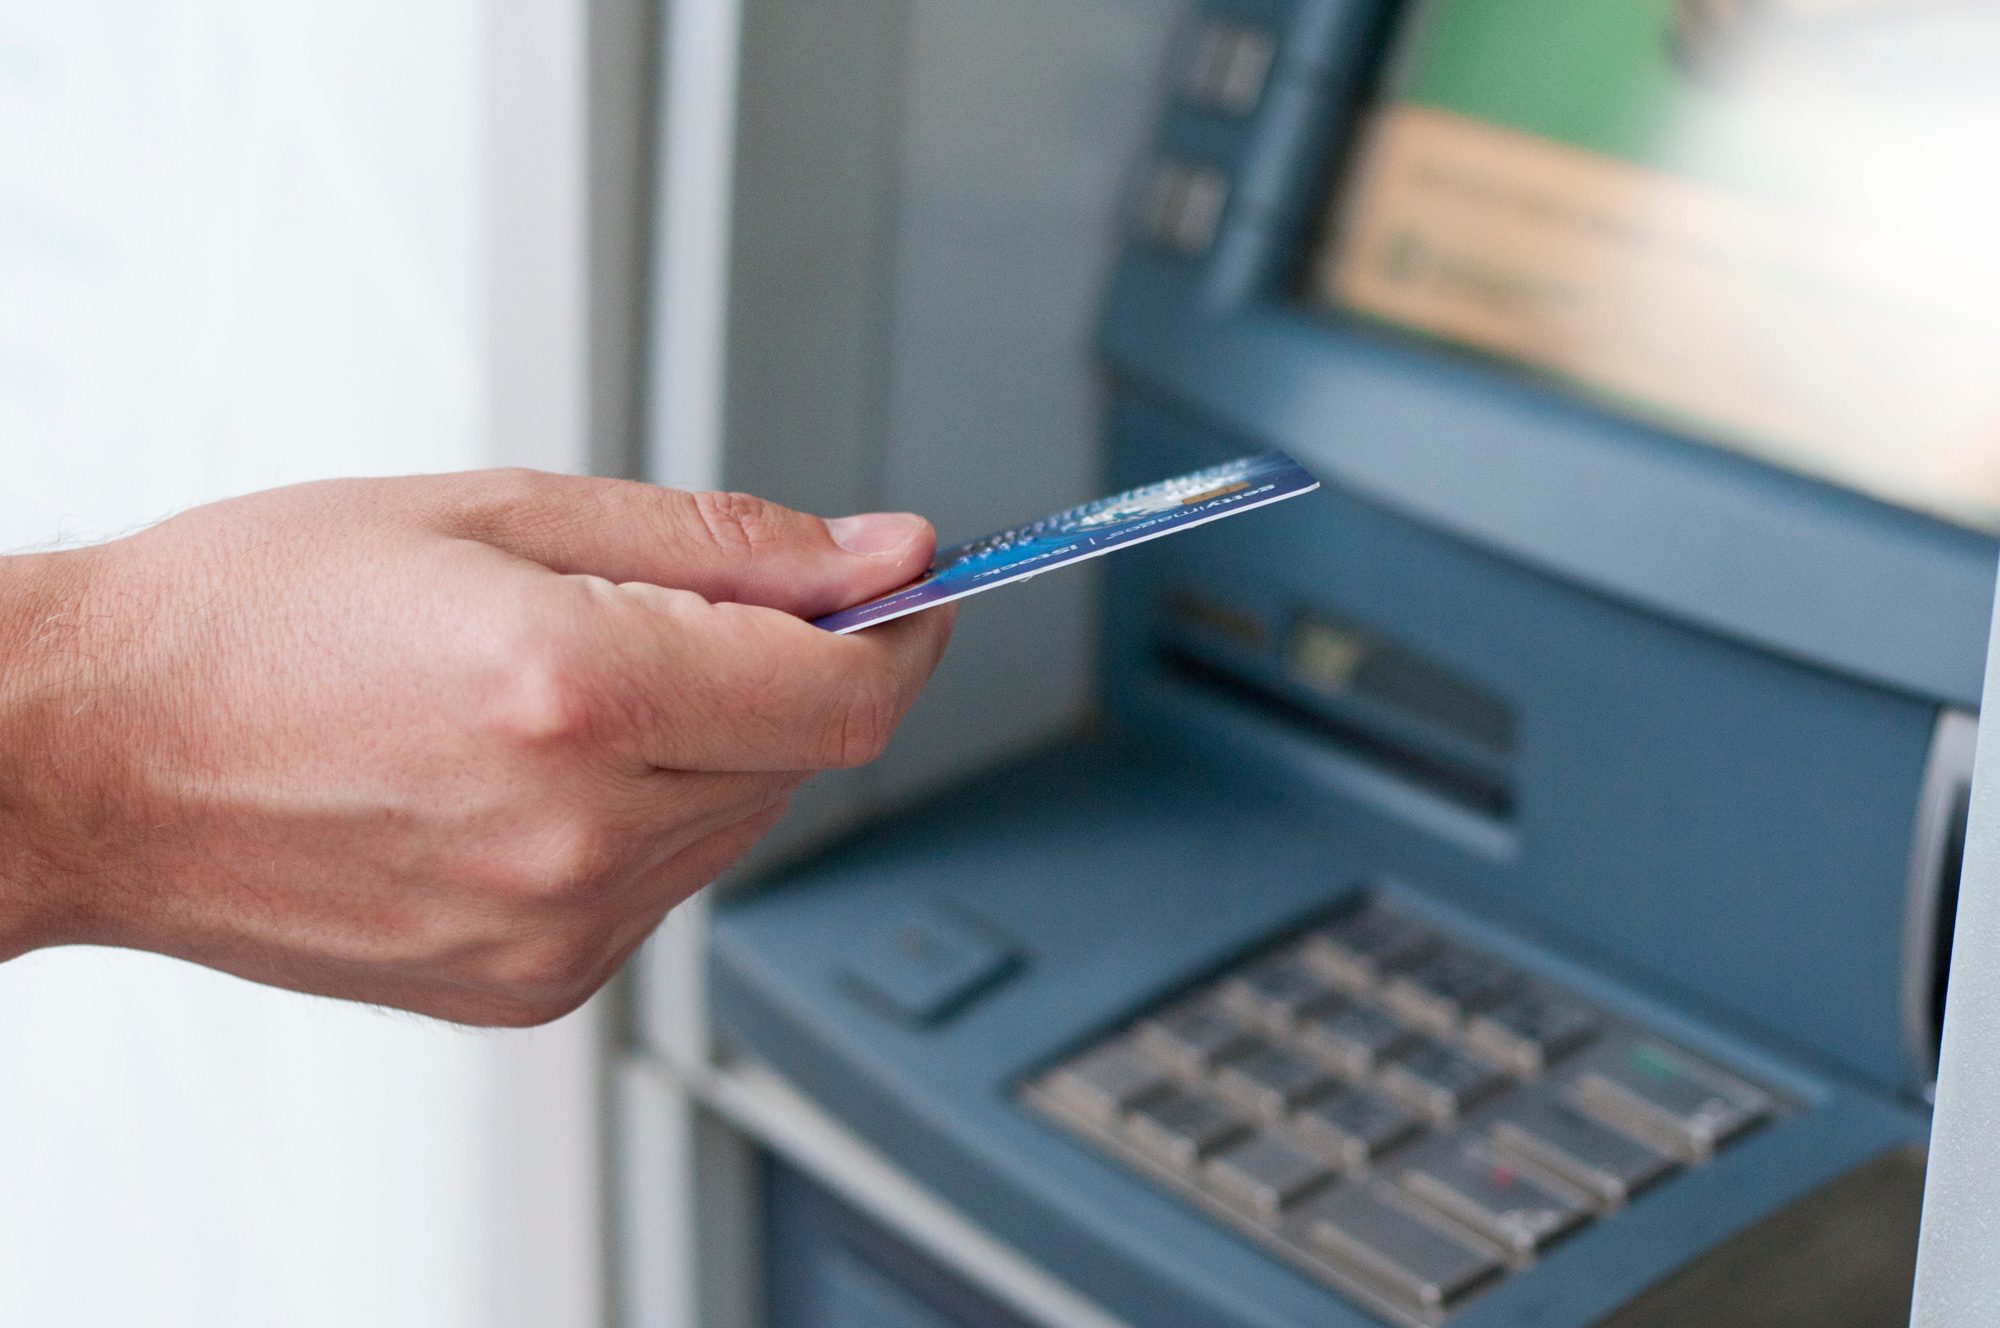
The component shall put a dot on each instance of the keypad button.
(1440, 989)
(1606, 1164)
(1379, 1239)
(1666, 1097)
(1271, 1080)
(1530, 1028)
(1274, 990)
(1226, 65)
(1440, 1081)
(1359, 949)
(1354, 1127)
(1264, 1173)
(1491, 1195)
(1182, 1126)
(1194, 1034)
(1102, 1084)
(1352, 1037)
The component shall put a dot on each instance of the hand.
(453, 744)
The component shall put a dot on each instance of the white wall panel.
(248, 242)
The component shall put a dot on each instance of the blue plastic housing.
(1121, 874)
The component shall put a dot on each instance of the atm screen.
(1769, 224)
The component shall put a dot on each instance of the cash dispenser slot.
(1345, 686)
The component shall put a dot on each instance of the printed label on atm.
(1095, 528)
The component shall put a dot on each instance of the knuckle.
(575, 862)
(488, 501)
(547, 699)
(740, 524)
(546, 978)
(864, 722)
(560, 970)
(505, 482)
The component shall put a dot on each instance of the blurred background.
(1648, 351)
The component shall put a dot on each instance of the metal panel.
(923, 227)
(792, 1126)
(1937, 859)
(1958, 1259)
(832, 1268)
(1020, 122)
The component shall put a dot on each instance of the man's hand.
(452, 744)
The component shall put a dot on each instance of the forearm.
(45, 667)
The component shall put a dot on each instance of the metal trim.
(1947, 777)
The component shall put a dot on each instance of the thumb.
(722, 546)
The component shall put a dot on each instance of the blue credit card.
(1083, 532)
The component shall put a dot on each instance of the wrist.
(46, 667)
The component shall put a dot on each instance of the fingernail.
(874, 532)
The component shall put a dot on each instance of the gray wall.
(923, 226)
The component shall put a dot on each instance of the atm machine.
(1511, 886)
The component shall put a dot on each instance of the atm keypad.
(1394, 1110)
